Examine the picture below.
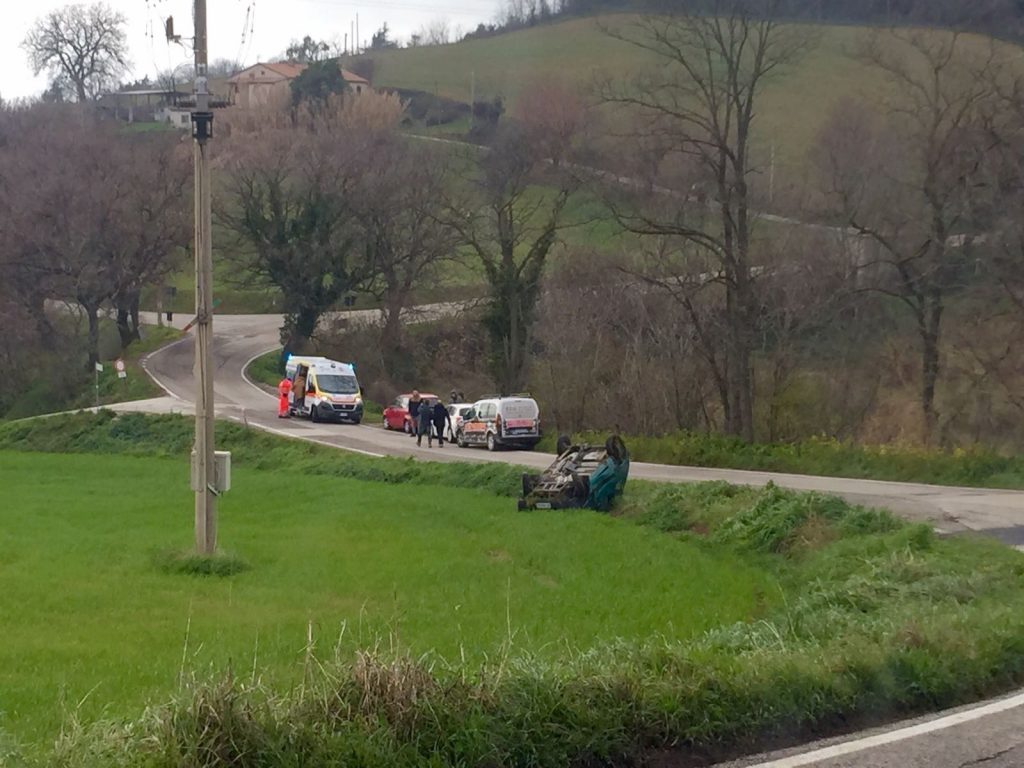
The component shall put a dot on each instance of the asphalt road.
(239, 338)
(991, 735)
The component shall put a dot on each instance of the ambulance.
(332, 390)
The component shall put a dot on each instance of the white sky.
(275, 24)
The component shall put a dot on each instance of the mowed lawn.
(92, 625)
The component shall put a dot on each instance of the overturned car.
(582, 476)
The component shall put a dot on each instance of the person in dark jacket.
(425, 423)
(414, 413)
(441, 419)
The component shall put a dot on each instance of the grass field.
(795, 105)
(89, 619)
(449, 630)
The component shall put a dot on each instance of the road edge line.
(144, 362)
(245, 370)
(292, 436)
(892, 737)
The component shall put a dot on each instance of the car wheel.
(314, 415)
(407, 427)
(357, 421)
(492, 443)
(460, 439)
(387, 424)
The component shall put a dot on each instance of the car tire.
(314, 415)
(460, 439)
(357, 421)
(387, 424)
(492, 442)
(407, 427)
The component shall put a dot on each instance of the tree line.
(726, 320)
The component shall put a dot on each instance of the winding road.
(991, 734)
(240, 338)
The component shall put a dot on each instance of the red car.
(396, 415)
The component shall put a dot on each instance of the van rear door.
(520, 416)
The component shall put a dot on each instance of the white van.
(332, 392)
(495, 422)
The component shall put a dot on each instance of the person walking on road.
(425, 425)
(283, 390)
(414, 412)
(441, 419)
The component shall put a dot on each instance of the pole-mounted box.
(221, 472)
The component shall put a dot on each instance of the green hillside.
(578, 51)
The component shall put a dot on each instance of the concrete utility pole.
(205, 469)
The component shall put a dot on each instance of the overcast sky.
(274, 24)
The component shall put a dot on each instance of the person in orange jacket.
(283, 389)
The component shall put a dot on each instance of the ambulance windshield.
(336, 384)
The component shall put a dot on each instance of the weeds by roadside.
(975, 467)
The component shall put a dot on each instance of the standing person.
(424, 427)
(455, 397)
(414, 412)
(441, 419)
(299, 391)
(283, 390)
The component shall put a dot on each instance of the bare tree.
(291, 202)
(151, 226)
(511, 223)
(910, 197)
(695, 119)
(95, 215)
(399, 209)
(84, 46)
(553, 116)
(436, 32)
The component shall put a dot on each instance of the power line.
(399, 6)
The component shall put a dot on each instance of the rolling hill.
(577, 51)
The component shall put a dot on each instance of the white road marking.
(245, 370)
(145, 365)
(881, 739)
(286, 433)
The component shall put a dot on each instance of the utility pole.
(205, 469)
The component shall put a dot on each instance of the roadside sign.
(99, 367)
(119, 365)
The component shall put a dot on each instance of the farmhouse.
(268, 84)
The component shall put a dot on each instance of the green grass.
(452, 573)
(77, 389)
(266, 369)
(703, 620)
(137, 385)
(977, 467)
